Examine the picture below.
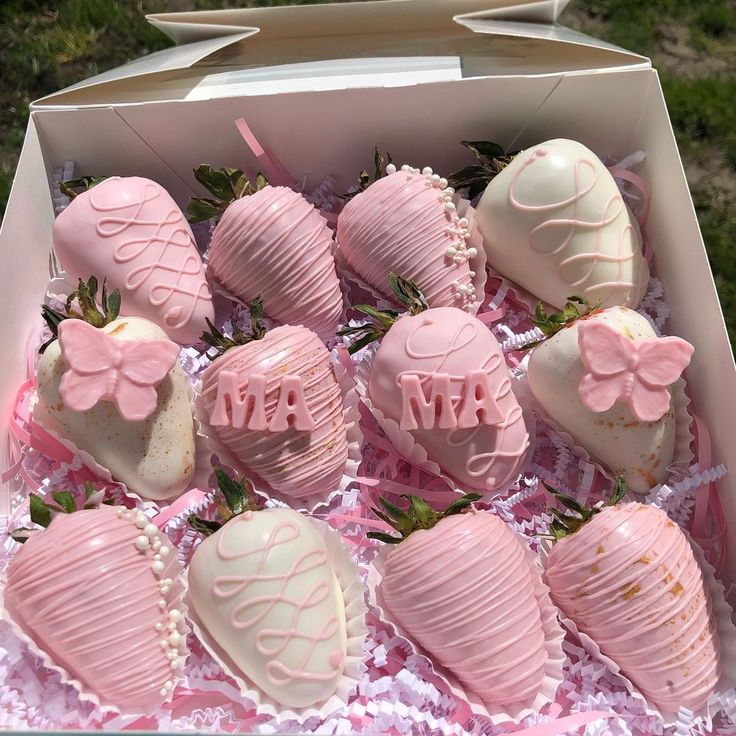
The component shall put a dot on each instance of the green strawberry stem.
(419, 515)
(86, 297)
(406, 292)
(492, 160)
(364, 178)
(69, 187)
(226, 185)
(235, 498)
(43, 512)
(564, 524)
(221, 343)
(576, 308)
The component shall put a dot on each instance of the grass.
(48, 45)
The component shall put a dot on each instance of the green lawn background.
(48, 45)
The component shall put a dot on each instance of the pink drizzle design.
(447, 340)
(407, 222)
(463, 591)
(95, 591)
(297, 463)
(131, 231)
(569, 227)
(101, 368)
(276, 245)
(271, 642)
(630, 581)
(636, 372)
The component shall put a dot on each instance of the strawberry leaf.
(575, 308)
(65, 500)
(387, 538)
(40, 512)
(492, 159)
(21, 534)
(205, 527)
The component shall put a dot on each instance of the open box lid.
(346, 45)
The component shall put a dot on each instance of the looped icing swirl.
(154, 238)
(569, 227)
(271, 642)
(482, 463)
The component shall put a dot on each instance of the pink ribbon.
(643, 215)
(275, 171)
(707, 500)
(185, 501)
(489, 318)
(562, 725)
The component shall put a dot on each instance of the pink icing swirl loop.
(229, 586)
(163, 233)
(571, 226)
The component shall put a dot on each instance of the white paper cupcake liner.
(724, 697)
(211, 445)
(349, 277)
(175, 598)
(684, 438)
(409, 448)
(353, 590)
(553, 636)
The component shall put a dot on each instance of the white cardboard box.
(322, 85)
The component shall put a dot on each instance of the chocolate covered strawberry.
(271, 241)
(605, 377)
(131, 230)
(408, 222)
(114, 387)
(273, 400)
(462, 587)
(626, 575)
(554, 221)
(263, 591)
(440, 375)
(98, 594)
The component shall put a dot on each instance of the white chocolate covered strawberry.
(271, 241)
(263, 590)
(554, 221)
(605, 378)
(272, 398)
(98, 594)
(440, 375)
(626, 575)
(116, 390)
(461, 586)
(407, 222)
(131, 230)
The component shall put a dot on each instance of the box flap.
(513, 37)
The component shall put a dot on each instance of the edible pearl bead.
(172, 626)
(159, 626)
(174, 614)
(449, 206)
(169, 685)
(164, 644)
(141, 521)
(174, 638)
(472, 252)
(171, 654)
(141, 542)
(427, 171)
(158, 567)
(157, 556)
(151, 530)
(443, 183)
(175, 663)
(163, 551)
(451, 251)
(162, 603)
(163, 692)
(391, 169)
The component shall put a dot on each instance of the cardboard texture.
(490, 70)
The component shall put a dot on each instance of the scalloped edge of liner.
(727, 635)
(554, 635)
(175, 599)
(353, 589)
(415, 453)
(211, 445)
(464, 209)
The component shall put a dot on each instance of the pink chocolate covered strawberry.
(408, 222)
(271, 241)
(461, 586)
(273, 400)
(98, 594)
(440, 375)
(130, 230)
(626, 575)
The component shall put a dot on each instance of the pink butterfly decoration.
(101, 368)
(637, 372)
